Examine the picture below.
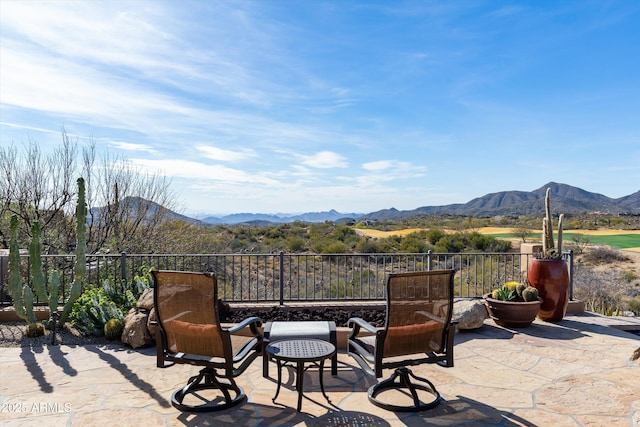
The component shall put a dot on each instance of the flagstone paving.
(577, 372)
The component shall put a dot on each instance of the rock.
(135, 331)
(470, 314)
(145, 301)
(151, 328)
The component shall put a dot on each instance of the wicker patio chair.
(418, 329)
(189, 331)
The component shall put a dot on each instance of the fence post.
(571, 275)
(429, 260)
(281, 278)
(123, 267)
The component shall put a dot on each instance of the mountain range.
(564, 199)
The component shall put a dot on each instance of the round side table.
(300, 352)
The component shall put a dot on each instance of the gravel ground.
(13, 335)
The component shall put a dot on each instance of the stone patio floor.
(576, 372)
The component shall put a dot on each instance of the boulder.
(470, 314)
(135, 332)
(151, 318)
(145, 302)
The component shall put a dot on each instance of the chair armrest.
(431, 316)
(254, 322)
(357, 322)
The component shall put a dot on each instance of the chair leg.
(208, 380)
(403, 376)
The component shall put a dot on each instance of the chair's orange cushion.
(410, 339)
(194, 338)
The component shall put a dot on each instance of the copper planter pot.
(511, 313)
(551, 278)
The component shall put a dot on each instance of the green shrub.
(295, 244)
(435, 234)
(413, 243)
(93, 310)
(366, 246)
(335, 248)
(450, 243)
(126, 295)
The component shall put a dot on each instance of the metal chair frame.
(374, 361)
(219, 371)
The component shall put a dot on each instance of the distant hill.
(261, 219)
(564, 199)
(134, 203)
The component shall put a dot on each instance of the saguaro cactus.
(22, 295)
(80, 267)
(54, 286)
(15, 276)
(35, 260)
(548, 247)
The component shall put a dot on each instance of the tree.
(580, 242)
(38, 188)
(125, 206)
(522, 232)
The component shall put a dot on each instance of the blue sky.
(297, 106)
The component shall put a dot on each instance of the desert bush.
(451, 243)
(484, 243)
(634, 305)
(435, 234)
(603, 255)
(295, 244)
(413, 243)
(334, 248)
(603, 291)
(629, 276)
(366, 246)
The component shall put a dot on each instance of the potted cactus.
(548, 271)
(513, 305)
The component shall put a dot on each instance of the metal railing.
(281, 277)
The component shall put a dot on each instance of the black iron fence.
(281, 277)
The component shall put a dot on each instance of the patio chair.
(418, 329)
(189, 331)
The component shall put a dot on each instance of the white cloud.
(176, 168)
(325, 160)
(216, 153)
(378, 165)
(390, 170)
(128, 146)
